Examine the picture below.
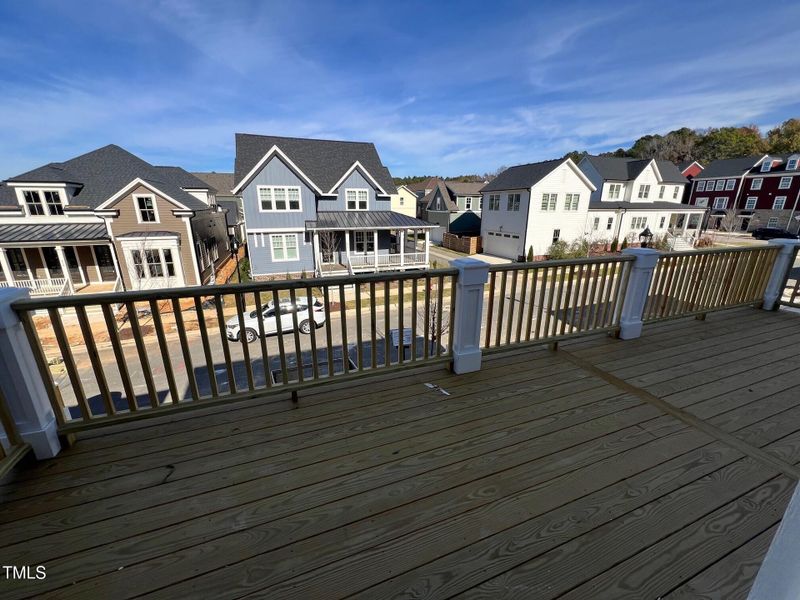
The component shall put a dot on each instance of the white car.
(286, 309)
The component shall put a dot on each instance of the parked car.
(772, 233)
(285, 316)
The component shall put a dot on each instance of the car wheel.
(250, 335)
(305, 327)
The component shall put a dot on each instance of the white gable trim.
(656, 170)
(581, 175)
(260, 164)
(370, 178)
(137, 182)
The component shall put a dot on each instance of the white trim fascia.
(190, 240)
(659, 178)
(259, 165)
(356, 190)
(139, 181)
(272, 192)
(138, 210)
(272, 250)
(276, 229)
(581, 175)
(370, 178)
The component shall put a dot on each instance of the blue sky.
(440, 87)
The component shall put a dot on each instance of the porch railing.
(387, 261)
(791, 294)
(551, 300)
(58, 286)
(698, 282)
(14, 448)
(167, 349)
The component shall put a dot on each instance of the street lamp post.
(646, 238)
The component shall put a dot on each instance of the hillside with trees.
(705, 145)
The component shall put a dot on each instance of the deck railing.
(59, 286)
(169, 348)
(791, 294)
(698, 282)
(551, 300)
(386, 261)
(15, 448)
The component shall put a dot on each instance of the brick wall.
(465, 244)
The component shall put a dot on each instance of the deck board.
(535, 478)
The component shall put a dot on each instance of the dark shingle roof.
(777, 168)
(368, 219)
(103, 172)
(185, 179)
(324, 161)
(421, 186)
(465, 188)
(657, 205)
(616, 168)
(522, 176)
(231, 208)
(440, 189)
(222, 182)
(728, 167)
(58, 232)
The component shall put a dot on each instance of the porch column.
(641, 275)
(116, 262)
(466, 326)
(317, 260)
(6, 266)
(375, 247)
(402, 247)
(780, 272)
(62, 261)
(347, 246)
(427, 247)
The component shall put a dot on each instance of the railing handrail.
(562, 261)
(717, 251)
(218, 290)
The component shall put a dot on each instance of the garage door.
(502, 244)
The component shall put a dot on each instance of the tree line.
(705, 145)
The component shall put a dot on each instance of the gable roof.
(615, 168)
(465, 188)
(222, 182)
(439, 190)
(729, 167)
(324, 162)
(185, 179)
(231, 208)
(522, 177)
(421, 186)
(102, 173)
(780, 167)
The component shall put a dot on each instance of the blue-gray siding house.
(322, 206)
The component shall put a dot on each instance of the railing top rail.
(220, 290)
(541, 264)
(719, 251)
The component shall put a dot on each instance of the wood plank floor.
(656, 467)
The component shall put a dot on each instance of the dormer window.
(33, 201)
(766, 165)
(53, 200)
(791, 165)
(359, 199)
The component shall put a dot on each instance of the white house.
(533, 205)
(632, 194)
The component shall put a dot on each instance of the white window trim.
(139, 212)
(467, 203)
(698, 188)
(703, 199)
(356, 191)
(61, 194)
(770, 221)
(725, 198)
(775, 203)
(273, 209)
(675, 192)
(759, 180)
(788, 181)
(284, 236)
(766, 166)
(730, 184)
(747, 203)
(791, 164)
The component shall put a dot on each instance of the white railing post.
(22, 383)
(630, 322)
(780, 272)
(472, 277)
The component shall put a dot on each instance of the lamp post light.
(235, 250)
(646, 238)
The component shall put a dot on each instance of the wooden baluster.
(328, 331)
(201, 323)
(69, 363)
(452, 317)
(414, 308)
(276, 309)
(427, 325)
(490, 310)
(373, 323)
(343, 315)
(511, 301)
(226, 351)
(262, 339)
(94, 358)
(40, 358)
(119, 357)
(534, 274)
(439, 311)
(141, 349)
(298, 351)
(360, 348)
(401, 349)
(501, 308)
(240, 310)
(313, 332)
(387, 290)
(541, 316)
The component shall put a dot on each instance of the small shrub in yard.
(614, 244)
(660, 242)
(624, 244)
(529, 258)
(704, 242)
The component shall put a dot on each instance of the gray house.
(455, 206)
(322, 207)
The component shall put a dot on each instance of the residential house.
(455, 207)
(632, 195)
(533, 206)
(404, 201)
(321, 206)
(108, 220)
(745, 193)
(689, 169)
(230, 203)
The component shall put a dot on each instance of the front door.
(19, 270)
(51, 262)
(745, 224)
(105, 263)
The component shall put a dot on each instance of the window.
(730, 184)
(780, 202)
(138, 267)
(596, 224)
(773, 222)
(701, 202)
(785, 184)
(766, 166)
(556, 235)
(720, 185)
(614, 190)
(494, 201)
(467, 203)
(549, 201)
(273, 198)
(792, 164)
(701, 186)
(572, 201)
(34, 203)
(610, 223)
(661, 190)
(364, 242)
(675, 192)
(721, 202)
(638, 223)
(17, 262)
(480, 203)
(661, 222)
(644, 191)
(154, 266)
(513, 202)
(146, 206)
(284, 246)
(357, 199)
(168, 262)
(750, 203)
(53, 201)
(756, 183)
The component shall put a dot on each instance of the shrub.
(558, 250)
(624, 244)
(244, 270)
(660, 242)
(561, 249)
(704, 242)
(529, 258)
(614, 244)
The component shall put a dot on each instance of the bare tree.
(328, 244)
(729, 220)
(436, 312)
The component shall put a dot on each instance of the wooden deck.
(657, 467)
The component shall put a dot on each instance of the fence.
(687, 283)
(550, 300)
(329, 328)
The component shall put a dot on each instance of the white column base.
(467, 361)
(44, 442)
(629, 330)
